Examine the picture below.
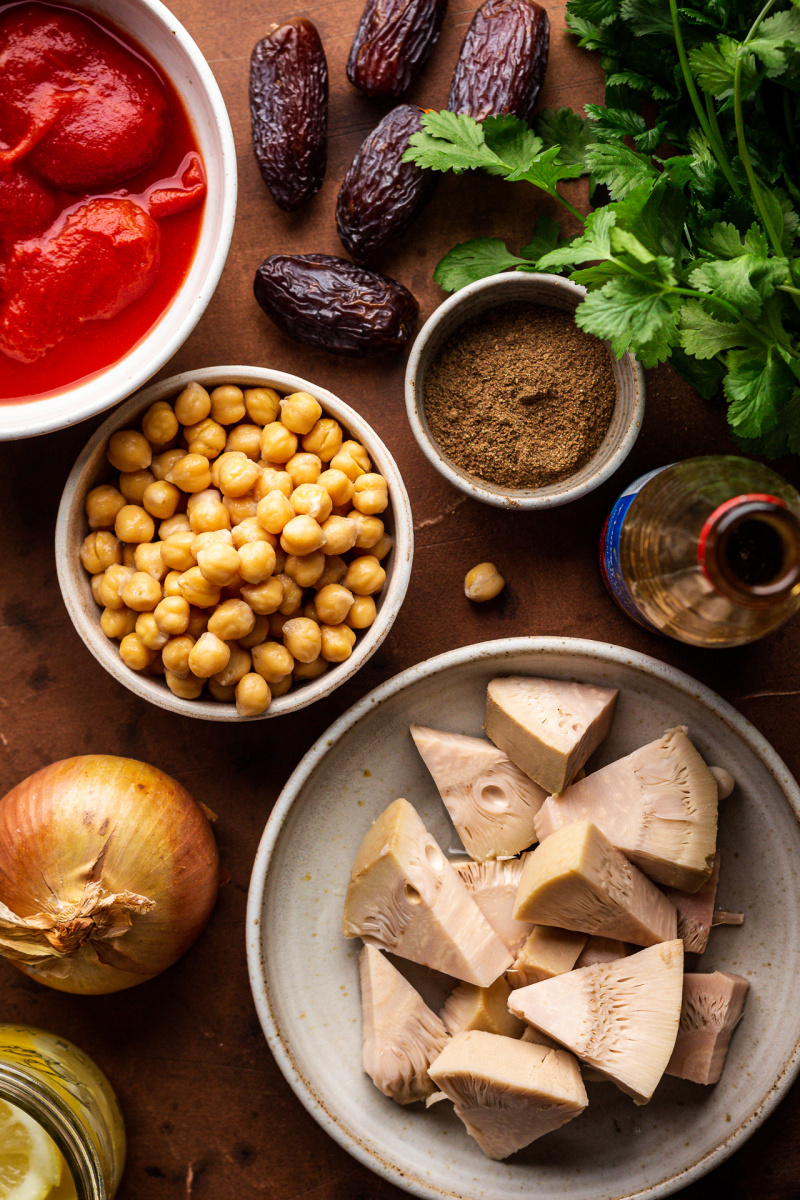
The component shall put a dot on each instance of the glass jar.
(68, 1095)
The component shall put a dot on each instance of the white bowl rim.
(39, 421)
(605, 651)
(523, 498)
(154, 690)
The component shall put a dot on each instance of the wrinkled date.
(393, 42)
(381, 195)
(289, 111)
(502, 62)
(327, 301)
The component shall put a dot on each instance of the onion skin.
(93, 826)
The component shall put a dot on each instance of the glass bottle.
(706, 550)
(68, 1095)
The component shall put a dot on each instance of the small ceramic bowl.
(153, 27)
(92, 468)
(471, 301)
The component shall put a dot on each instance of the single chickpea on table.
(239, 549)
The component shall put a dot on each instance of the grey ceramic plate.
(304, 973)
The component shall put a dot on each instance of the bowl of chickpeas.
(234, 543)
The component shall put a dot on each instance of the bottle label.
(610, 567)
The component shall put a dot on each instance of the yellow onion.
(108, 873)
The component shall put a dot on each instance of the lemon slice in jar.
(30, 1164)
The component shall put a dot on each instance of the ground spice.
(520, 396)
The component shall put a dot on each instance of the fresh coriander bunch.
(696, 258)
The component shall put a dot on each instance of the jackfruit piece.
(657, 805)
(539, 1039)
(600, 949)
(696, 911)
(493, 886)
(490, 801)
(470, 1007)
(405, 897)
(577, 880)
(548, 727)
(546, 952)
(712, 1008)
(620, 1018)
(507, 1092)
(400, 1035)
(725, 782)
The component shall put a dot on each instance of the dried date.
(330, 302)
(289, 111)
(502, 62)
(381, 195)
(394, 40)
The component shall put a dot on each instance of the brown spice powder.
(520, 396)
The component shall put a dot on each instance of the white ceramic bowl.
(154, 27)
(471, 301)
(92, 468)
(304, 973)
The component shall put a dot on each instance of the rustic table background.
(208, 1112)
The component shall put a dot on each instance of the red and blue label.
(610, 567)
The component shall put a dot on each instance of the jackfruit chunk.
(621, 1017)
(577, 880)
(696, 911)
(490, 801)
(507, 1092)
(548, 727)
(712, 1008)
(657, 805)
(406, 898)
(547, 952)
(400, 1035)
(493, 886)
(600, 949)
(470, 1007)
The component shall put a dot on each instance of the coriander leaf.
(471, 261)
(600, 11)
(513, 141)
(776, 35)
(746, 281)
(598, 274)
(546, 171)
(635, 314)
(714, 64)
(595, 242)
(567, 129)
(449, 142)
(645, 17)
(755, 387)
(545, 238)
(704, 336)
(611, 122)
(639, 83)
(619, 168)
(705, 376)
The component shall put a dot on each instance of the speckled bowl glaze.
(470, 302)
(304, 974)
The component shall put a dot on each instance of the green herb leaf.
(714, 65)
(450, 142)
(545, 238)
(704, 336)
(777, 35)
(639, 83)
(470, 261)
(595, 242)
(565, 128)
(619, 168)
(636, 315)
(513, 141)
(755, 389)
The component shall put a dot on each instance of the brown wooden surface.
(208, 1112)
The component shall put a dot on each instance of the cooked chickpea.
(382, 548)
(147, 558)
(273, 480)
(303, 468)
(369, 530)
(250, 530)
(272, 661)
(305, 569)
(236, 473)
(262, 404)
(340, 535)
(337, 642)
(207, 438)
(171, 615)
(311, 500)
(170, 586)
(133, 484)
(266, 597)
(292, 595)
(281, 687)
(219, 564)
(362, 614)
(197, 590)
(161, 499)
(226, 695)
(102, 504)
(156, 667)
(278, 443)
(335, 571)
(232, 620)
(274, 512)
(371, 494)
(159, 423)
(365, 576)
(176, 550)
(302, 535)
(175, 655)
(147, 629)
(177, 524)
(258, 634)
(256, 562)
(358, 453)
(300, 412)
(246, 439)
(352, 459)
(113, 581)
(332, 604)
(117, 622)
(209, 537)
(253, 696)
(238, 666)
(337, 485)
(96, 584)
(163, 463)
(324, 438)
(133, 524)
(483, 582)
(227, 404)
(302, 638)
(189, 688)
(304, 672)
(100, 550)
(193, 404)
(240, 508)
(208, 656)
(208, 513)
(277, 620)
(129, 554)
(191, 473)
(198, 622)
(134, 653)
(129, 450)
(141, 592)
